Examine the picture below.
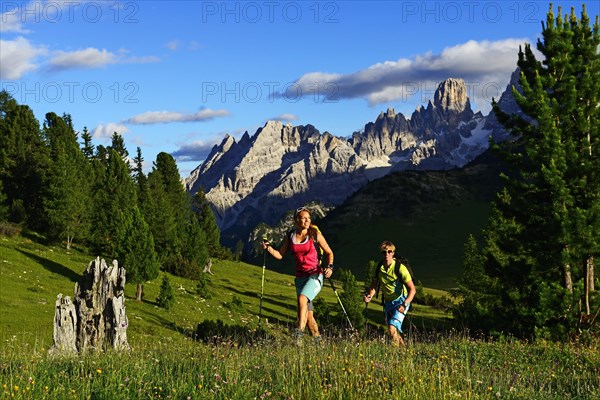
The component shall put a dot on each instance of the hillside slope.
(427, 214)
(33, 274)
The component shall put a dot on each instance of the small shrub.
(182, 267)
(166, 297)
(426, 299)
(203, 287)
(216, 332)
(236, 303)
(10, 230)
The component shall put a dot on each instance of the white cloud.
(92, 57)
(165, 117)
(11, 20)
(106, 131)
(195, 151)
(286, 117)
(173, 45)
(193, 46)
(176, 45)
(86, 58)
(480, 64)
(140, 60)
(18, 57)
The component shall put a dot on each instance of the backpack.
(313, 231)
(400, 260)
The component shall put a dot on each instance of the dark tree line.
(56, 182)
(534, 275)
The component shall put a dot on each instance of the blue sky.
(176, 76)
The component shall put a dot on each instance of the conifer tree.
(118, 145)
(208, 223)
(194, 249)
(3, 204)
(474, 287)
(170, 209)
(114, 201)
(544, 232)
(166, 296)
(66, 197)
(23, 163)
(351, 298)
(88, 147)
(140, 178)
(137, 253)
(161, 219)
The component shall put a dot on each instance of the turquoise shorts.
(392, 315)
(309, 286)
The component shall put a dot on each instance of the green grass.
(33, 275)
(165, 362)
(168, 368)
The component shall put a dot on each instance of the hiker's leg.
(302, 312)
(312, 324)
(396, 337)
(393, 319)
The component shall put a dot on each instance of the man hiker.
(398, 290)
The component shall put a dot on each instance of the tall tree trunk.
(589, 282)
(591, 273)
(138, 293)
(568, 278)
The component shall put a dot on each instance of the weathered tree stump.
(98, 311)
(65, 326)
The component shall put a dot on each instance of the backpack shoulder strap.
(314, 232)
(397, 269)
(377, 269)
(401, 260)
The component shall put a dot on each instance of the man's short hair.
(387, 245)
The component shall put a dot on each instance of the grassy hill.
(33, 274)
(427, 214)
(165, 363)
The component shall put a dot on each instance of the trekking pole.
(340, 301)
(262, 282)
(366, 320)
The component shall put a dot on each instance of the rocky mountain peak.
(451, 94)
(281, 167)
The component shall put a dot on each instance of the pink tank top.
(305, 254)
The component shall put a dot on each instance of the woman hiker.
(302, 242)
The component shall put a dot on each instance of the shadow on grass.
(266, 296)
(35, 238)
(53, 267)
(155, 318)
(215, 332)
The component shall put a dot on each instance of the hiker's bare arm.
(277, 254)
(412, 291)
(371, 291)
(326, 249)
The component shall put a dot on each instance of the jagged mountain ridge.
(280, 167)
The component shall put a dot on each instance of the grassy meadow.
(166, 362)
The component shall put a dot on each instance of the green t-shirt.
(390, 287)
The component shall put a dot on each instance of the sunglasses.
(298, 210)
(387, 251)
